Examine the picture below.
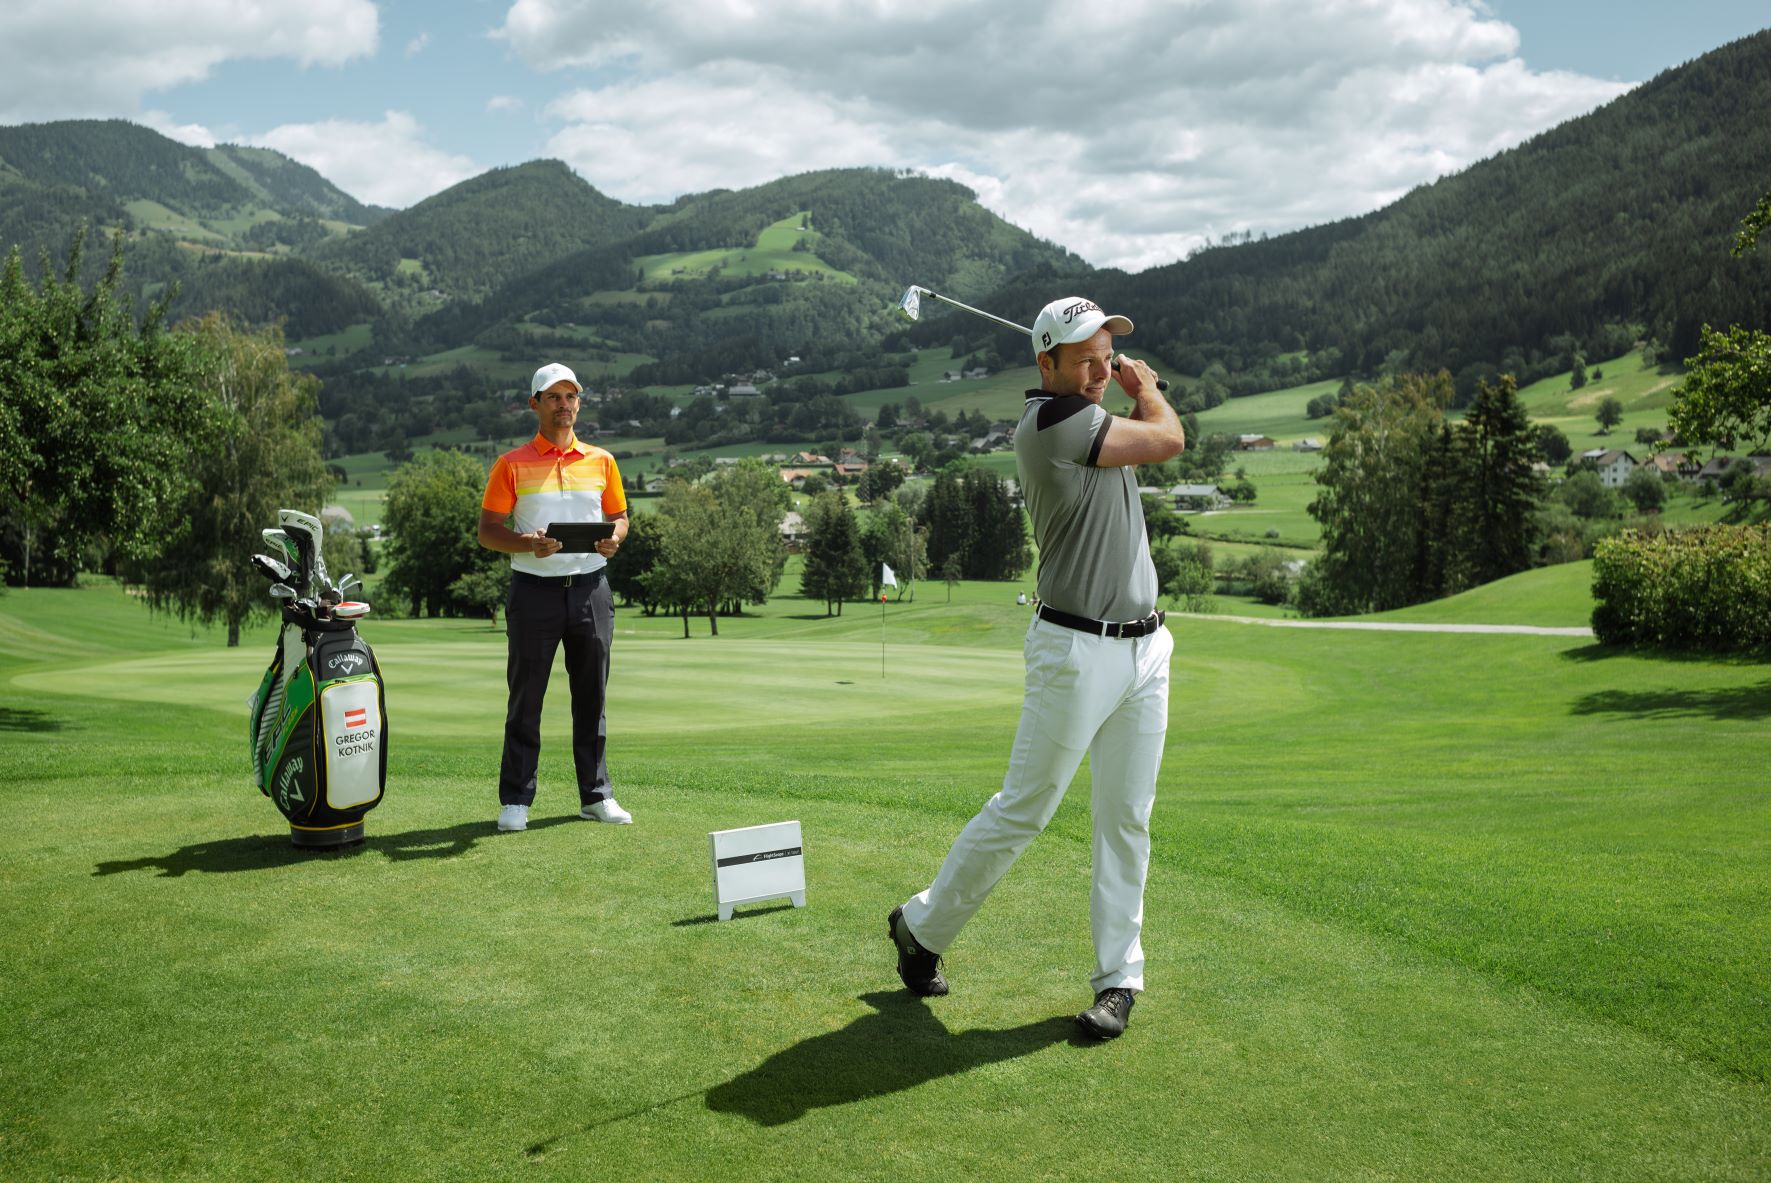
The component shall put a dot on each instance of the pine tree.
(836, 567)
(1492, 531)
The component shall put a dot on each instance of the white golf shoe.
(606, 811)
(513, 817)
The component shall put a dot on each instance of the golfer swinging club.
(1097, 661)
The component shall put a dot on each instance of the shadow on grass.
(259, 852)
(900, 1046)
(1601, 652)
(713, 917)
(25, 719)
(1734, 702)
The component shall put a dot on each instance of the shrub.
(1708, 588)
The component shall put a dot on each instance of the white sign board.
(757, 863)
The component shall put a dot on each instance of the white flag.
(888, 579)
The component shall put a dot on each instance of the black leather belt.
(585, 578)
(1103, 628)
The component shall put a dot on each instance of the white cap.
(1072, 319)
(550, 373)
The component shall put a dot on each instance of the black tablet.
(579, 537)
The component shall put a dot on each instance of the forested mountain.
(873, 226)
(472, 237)
(1620, 218)
(1611, 227)
(290, 187)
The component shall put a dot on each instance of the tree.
(75, 367)
(1578, 376)
(1586, 496)
(1760, 217)
(998, 548)
(1161, 522)
(721, 544)
(1645, 490)
(1372, 473)
(639, 553)
(432, 520)
(889, 537)
(836, 568)
(1190, 580)
(879, 482)
(1725, 400)
(1552, 443)
(949, 519)
(1494, 492)
(1609, 414)
(258, 451)
(952, 571)
(484, 588)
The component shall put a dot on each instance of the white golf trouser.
(1085, 694)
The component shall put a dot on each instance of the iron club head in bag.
(271, 569)
(911, 305)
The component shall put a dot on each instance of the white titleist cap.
(1072, 319)
(553, 372)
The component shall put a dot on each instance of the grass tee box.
(1425, 906)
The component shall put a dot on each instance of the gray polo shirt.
(1094, 558)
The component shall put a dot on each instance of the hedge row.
(1706, 588)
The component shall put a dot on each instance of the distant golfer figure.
(1097, 661)
(555, 597)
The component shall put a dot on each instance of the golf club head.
(279, 543)
(282, 591)
(348, 582)
(309, 536)
(911, 303)
(271, 569)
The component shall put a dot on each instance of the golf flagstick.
(911, 305)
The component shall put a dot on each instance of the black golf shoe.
(1107, 1018)
(919, 969)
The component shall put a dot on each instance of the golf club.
(271, 569)
(309, 537)
(282, 591)
(911, 304)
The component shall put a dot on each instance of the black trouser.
(538, 616)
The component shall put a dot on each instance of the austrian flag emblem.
(358, 717)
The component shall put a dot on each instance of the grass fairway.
(1423, 906)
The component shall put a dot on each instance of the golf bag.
(318, 723)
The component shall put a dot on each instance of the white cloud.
(504, 102)
(64, 59)
(386, 163)
(417, 45)
(1174, 123)
(194, 134)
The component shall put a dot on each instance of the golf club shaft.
(1161, 383)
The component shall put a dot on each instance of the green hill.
(469, 239)
(1611, 225)
(291, 188)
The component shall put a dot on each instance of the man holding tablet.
(547, 505)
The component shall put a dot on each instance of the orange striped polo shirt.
(540, 483)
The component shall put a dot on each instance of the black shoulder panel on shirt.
(1059, 408)
(1094, 451)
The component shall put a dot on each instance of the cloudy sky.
(1129, 139)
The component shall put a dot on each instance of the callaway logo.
(287, 788)
(348, 662)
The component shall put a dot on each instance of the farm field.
(1406, 917)
(773, 252)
